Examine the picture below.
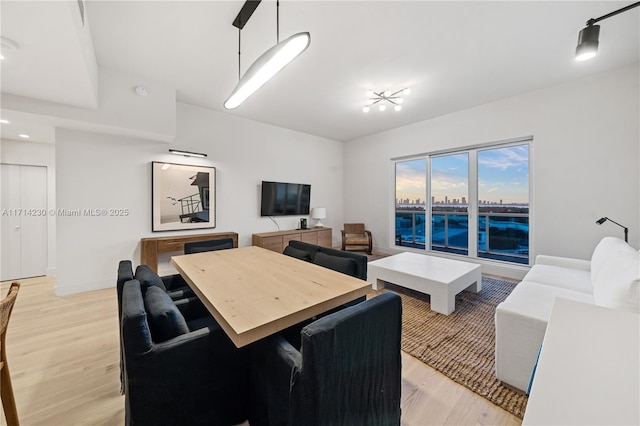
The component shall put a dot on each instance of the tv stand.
(277, 241)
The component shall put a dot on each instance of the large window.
(476, 201)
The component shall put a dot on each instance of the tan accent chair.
(6, 390)
(358, 238)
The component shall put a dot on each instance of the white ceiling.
(453, 54)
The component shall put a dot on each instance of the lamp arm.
(626, 230)
(622, 226)
(615, 12)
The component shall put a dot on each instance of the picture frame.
(183, 196)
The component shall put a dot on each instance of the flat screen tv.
(285, 199)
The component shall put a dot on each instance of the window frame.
(473, 209)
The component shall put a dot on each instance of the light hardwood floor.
(63, 354)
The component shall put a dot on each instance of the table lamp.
(319, 213)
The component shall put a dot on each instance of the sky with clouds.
(503, 173)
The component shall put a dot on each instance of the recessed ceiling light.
(24, 136)
(141, 91)
(3, 121)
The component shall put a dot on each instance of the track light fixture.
(381, 98)
(588, 37)
(270, 62)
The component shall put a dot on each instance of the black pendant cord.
(241, 20)
(277, 21)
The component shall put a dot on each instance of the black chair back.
(208, 245)
(347, 372)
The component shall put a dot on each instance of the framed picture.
(183, 196)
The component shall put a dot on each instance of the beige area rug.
(374, 256)
(460, 345)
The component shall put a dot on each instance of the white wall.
(104, 171)
(27, 153)
(585, 160)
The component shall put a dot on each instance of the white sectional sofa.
(610, 279)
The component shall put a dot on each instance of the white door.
(23, 209)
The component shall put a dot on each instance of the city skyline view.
(503, 177)
(452, 201)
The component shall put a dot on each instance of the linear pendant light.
(269, 63)
(266, 66)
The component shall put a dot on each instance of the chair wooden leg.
(6, 393)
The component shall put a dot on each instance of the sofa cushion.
(557, 276)
(340, 264)
(165, 319)
(608, 247)
(297, 253)
(148, 278)
(617, 284)
(535, 300)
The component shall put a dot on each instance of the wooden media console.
(150, 247)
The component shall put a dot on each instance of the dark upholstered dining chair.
(125, 273)
(180, 366)
(353, 264)
(174, 285)
(356, 238)
(208, 245)
(344, 370)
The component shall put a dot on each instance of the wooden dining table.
(254, 292)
